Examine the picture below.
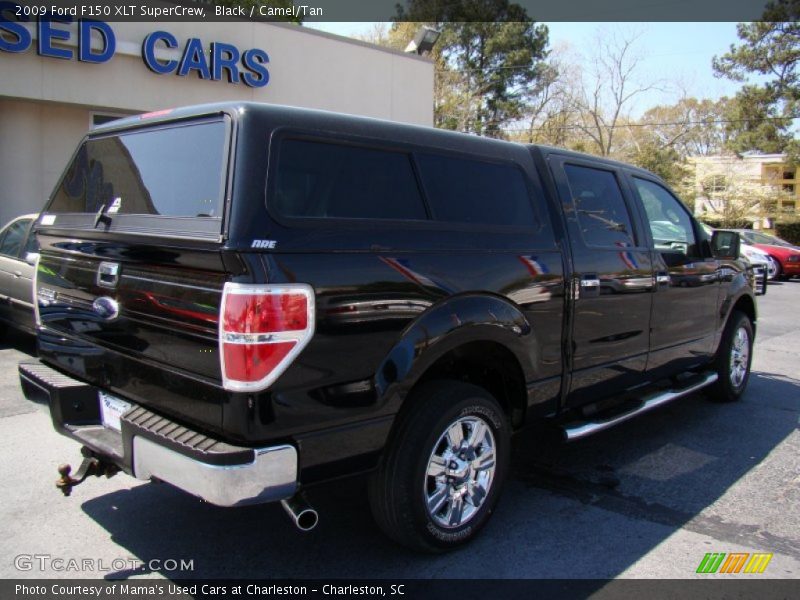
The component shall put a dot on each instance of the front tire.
(774, 268)
(443, 470)
(734, 357)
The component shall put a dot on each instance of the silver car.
(18, 253)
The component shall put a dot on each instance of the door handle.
(590, 286)
(662, 279)
(17, 274)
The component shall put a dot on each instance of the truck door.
(612, 282)
(687, 282)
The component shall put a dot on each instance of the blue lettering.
(48, 33)
(228, 62)
(255, 60)
(85, 53)
(194, 59)
(149, 52)
(22, 36)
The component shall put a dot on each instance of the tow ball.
(91, 465)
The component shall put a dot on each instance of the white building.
(57, 80)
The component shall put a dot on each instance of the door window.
(602, 214)
(669, 222)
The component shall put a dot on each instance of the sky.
(676, 54)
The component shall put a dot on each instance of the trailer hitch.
(91, 465)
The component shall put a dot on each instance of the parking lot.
(647, 499)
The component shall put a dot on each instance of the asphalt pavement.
(646, 499)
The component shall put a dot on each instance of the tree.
(488, 59)
(770, 49)
(607, 88)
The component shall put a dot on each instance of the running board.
(580, 429)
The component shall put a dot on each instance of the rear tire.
(442, 471)
(733, 360)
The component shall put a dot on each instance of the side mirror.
(725, 245)
(31, 258)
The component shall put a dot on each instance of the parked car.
(784, 257)
(209, 315)
(761, 264)
(18, 253)
(763, 270)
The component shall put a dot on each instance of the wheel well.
(746, 305)
(489, 365)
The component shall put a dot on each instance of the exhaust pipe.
(304, 517)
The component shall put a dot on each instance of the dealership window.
(103, 118)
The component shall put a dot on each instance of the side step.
(579, 429)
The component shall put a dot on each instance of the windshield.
(172, 171)
(755, 237)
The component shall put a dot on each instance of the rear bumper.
(150, 446)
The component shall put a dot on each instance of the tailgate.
(130, 275)
(143, 330)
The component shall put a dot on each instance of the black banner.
(711, 588)
(386, 10)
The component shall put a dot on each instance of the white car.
(762, 266)
(18, 253)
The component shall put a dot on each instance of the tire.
(401, 489)
(733, 360)
(774, 268)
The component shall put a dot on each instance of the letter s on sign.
(255, 60)
(22, 36)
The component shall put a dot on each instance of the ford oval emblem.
(106, 308)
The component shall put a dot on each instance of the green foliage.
(754, 122)
(663, 161)
(770, 49)
(488, 58)
(789, 231)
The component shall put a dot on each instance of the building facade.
(58, 79)
(723, 180)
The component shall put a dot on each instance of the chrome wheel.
(773, 268)
(740, 357)
(460, 472)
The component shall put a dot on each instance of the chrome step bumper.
(148, 445)
(271, 476)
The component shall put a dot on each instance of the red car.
(784, 257)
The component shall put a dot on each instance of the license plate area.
(111, 409)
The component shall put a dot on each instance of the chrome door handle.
(590, 283)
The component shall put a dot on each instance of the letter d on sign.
(85, 54)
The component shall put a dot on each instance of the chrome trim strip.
(272, 475)
(585, 428)
(185, 285)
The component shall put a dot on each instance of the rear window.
(324, 180)
(172, 171)
(330, 180)
(469, 191)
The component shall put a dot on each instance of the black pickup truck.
(243, 300)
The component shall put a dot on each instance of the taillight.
(262, 329)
